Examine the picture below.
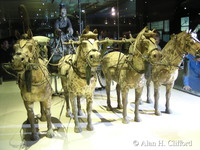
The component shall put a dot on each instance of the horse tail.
(24, 16)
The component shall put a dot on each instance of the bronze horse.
(128, 70)
(166, 71)
(78, 75)
(33, 80)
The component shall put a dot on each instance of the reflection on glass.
(189, 78)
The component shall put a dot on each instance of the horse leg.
(148, 90)
(42, 111)
(138, 93)
(47, 109)
(168, 95)
(89, 112)
(73, 100)
(119, 105)
(108, 82)
(125, 102)
(31, 119)
(80, 113)
(68, 112)
(156, 98)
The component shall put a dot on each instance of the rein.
(168, 65)
(180, 53)
(88, 74)
(130, 63)
(29, 66)
(145, 58)
(76, 70)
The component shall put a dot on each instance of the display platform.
(177, 131)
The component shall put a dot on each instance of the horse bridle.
(92, 50)
(34, 52)
(180, 54)
(74, 65)
(31, 66)
(145, 58)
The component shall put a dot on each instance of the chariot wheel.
(101, 77)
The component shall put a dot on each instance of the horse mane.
(177, 38)
(137, 40)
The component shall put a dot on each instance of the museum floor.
(177, 131)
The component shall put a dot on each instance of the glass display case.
(112, 18)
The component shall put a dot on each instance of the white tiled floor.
(154, 132)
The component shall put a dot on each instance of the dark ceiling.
(96, 12)
(40, 9)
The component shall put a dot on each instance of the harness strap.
(79, 73)
(133, 67)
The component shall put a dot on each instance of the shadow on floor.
(26, 133)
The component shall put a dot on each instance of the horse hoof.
(158, 113)
(119, 106)
(27, 121)
(125, 121)
(77, 130)
(69, 114)
(35, 137)
(149, 101)
(80, 113)
(43, 118)
(109, 108)
(90, 127)
(168, 111)
(50, 133)
(137, 119)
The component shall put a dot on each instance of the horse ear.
(30, 34)
(95, 31)
(17, 34)
(146, 29)
(86, 30)
(173, 36)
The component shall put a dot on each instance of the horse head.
(88, 47)
(192, 44)
(26, 52)
(146, 47)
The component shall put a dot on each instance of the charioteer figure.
(63, 25)
(63, 30)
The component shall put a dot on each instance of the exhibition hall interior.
(99, 74)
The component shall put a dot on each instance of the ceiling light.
(113, 12)
(106, 21)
